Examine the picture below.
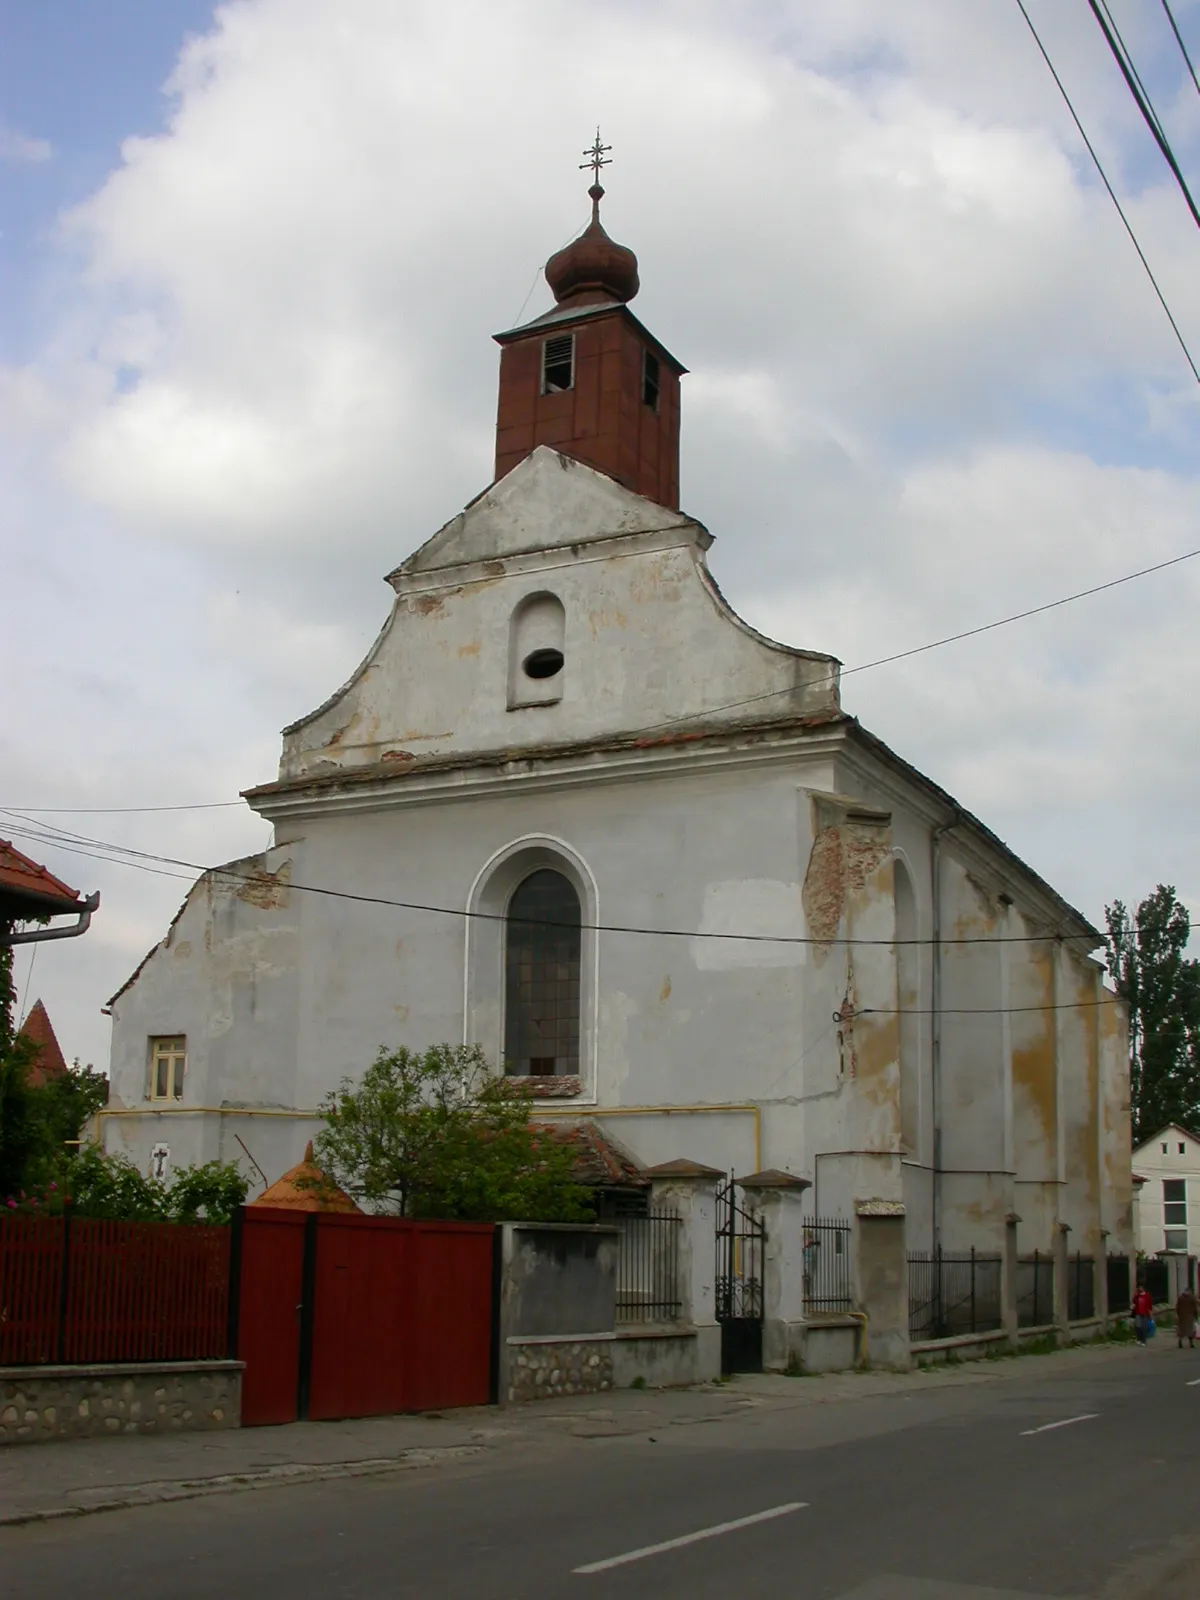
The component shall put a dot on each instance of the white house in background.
(573, 809)
(1169, 1199)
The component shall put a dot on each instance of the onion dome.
(305, 1188)
(593, 267)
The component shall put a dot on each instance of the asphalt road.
(1086, 1484)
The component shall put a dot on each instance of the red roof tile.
(49, 1061)
(24, 880)
(305, 1187)
(600, 1162)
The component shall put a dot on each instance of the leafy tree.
(99, 1183)
(438, 1134)
(1161, 986)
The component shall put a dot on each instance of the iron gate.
(741, 1240)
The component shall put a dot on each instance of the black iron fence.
(1120, 1290)
(1152, 1274)
(827, 1281)
(949, 1295)
(1035, 1290)
(648, 1268)
(1081, 1287)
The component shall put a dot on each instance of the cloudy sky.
(250, 262)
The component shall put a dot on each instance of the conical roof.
(305, 1188)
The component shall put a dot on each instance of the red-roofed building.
(28, 891)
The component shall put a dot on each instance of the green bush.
(96, 1183)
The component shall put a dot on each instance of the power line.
(1141, 97)
(729, 705)
(99, 811)
(1183, 47)
(126, 856)
(936, 644)
(1112, 195)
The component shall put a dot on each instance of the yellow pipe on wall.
(664, 1111)
(547, 1111)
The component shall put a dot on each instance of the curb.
(150, 1494)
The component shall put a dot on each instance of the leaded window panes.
(542, 966)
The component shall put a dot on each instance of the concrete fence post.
(690, 1189)
(1010, 1316)
(1100, 1281)
(1062, 1267)
(881, 1282)
(777, 1198)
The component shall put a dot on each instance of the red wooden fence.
(81, 1290)
(402, 1316)
(270, 1296)
(358, 1316)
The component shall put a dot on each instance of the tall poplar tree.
(1161, 985)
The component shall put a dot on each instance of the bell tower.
(586, 377)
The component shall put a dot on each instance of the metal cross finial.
(597, 157)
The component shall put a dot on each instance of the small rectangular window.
(168, 1058)
(1176, 1239)
(650, 380)
(558, 364)
(1183, 1149)
(1175, 1204)
(1164, 1149)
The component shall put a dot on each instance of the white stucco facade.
(1169, 1218)
(749, 862)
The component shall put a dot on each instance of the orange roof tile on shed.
(305, 1188)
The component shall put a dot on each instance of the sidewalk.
(74, 1478)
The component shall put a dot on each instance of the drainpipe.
(935, 1005)
(41, 935)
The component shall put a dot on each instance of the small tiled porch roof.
(600, 1162)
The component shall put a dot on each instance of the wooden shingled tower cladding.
(587, 378)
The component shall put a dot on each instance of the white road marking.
(1048, 1427)
(693, 1538)
(1191, 1383)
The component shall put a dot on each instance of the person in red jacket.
(1143, 1310)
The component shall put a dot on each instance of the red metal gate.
(270, 1281)
(357, 1316)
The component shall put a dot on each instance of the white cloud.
(929, 386)
(21, 149)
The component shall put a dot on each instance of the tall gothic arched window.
(541, 971)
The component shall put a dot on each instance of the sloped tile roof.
(305, 1187)
(23, 880)
(49, 1061)
(600, 1162)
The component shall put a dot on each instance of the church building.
(573, 809)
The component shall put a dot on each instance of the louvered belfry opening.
(558, 364)
(542, 967)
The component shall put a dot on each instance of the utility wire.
(1111, 191)
(670, 933)
(98, 811)
(1183, 47)
(728, 705)
(77, 844)
(936, 644)
(1141, 98)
